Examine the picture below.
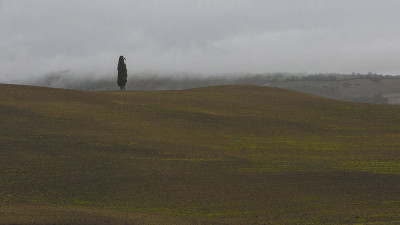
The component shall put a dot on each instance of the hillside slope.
(216, 155)
(381, 91)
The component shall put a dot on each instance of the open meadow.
(215, 155)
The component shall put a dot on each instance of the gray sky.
(205, 36)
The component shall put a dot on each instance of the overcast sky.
(206, 36)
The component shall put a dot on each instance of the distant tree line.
(336, 76)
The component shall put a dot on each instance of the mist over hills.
(147, 81)
(378, 89)
(368, 88)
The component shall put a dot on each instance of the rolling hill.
(380, 90)
(215, 155)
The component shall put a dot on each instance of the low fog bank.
(152, 81)
(370, 88)
(146, 81)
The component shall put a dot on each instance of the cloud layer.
(206, 36)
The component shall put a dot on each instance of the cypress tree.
(122, 73)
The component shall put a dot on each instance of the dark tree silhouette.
(122, 73)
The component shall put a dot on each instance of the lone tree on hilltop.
(122, 73)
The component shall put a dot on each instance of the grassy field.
(217, 155)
